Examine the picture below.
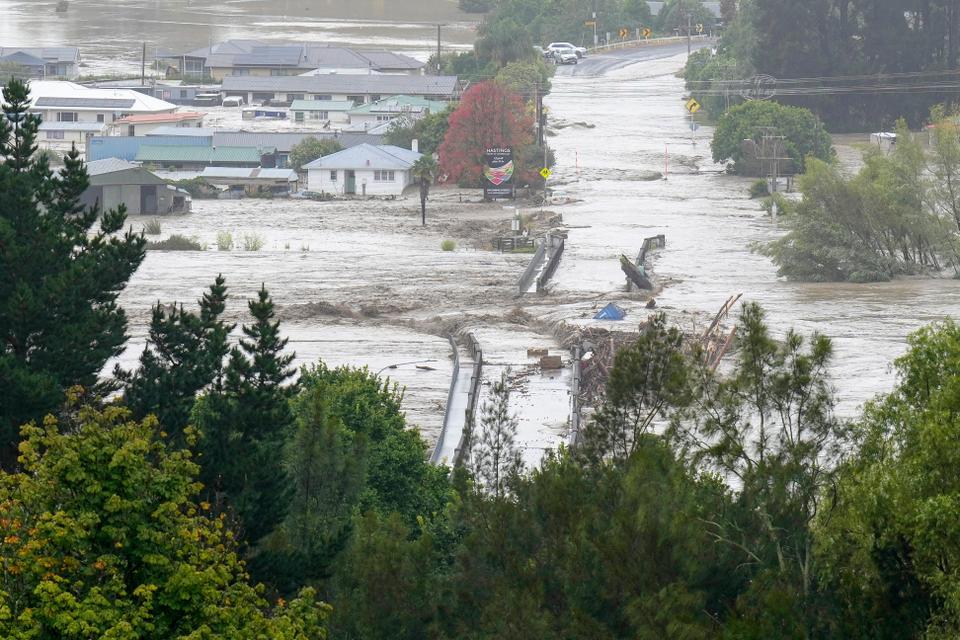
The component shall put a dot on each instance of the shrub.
(198, 188)
(152, 227)
(448, 245)
(224, 241)
(252, 242)
(176, 242)
(759, 189)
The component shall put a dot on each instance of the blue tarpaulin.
(611, 312)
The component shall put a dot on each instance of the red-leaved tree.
(488, 116)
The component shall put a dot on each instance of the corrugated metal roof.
(400, 104)
(22, 58)
(108, 165)
(284, 142)
(368, 156)
(84, 103)
(193, 132)
(211, 155)
(321, 105)
(49, 54)
(312, 55)
(178, 116)
(245, 173)
(346, 84)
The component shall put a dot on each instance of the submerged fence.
(463, 447)
(446, 415)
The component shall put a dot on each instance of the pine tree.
(494, 456)
(244, 424)
(184, 355)
(59, 321)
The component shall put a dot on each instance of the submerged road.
(603, 63)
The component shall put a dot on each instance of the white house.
(146, 123)
(381, 170)
(72, 112)
(358, 89)
(411, 108)
(321, 112)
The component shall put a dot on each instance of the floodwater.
(709, 223)
(111, 33)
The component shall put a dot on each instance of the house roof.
(113, 171)
(400, 104)
(107, 165)
(191, 153)
(368, 156)
(321, 105)
(283, 142)
(346, 84)
(244, 173)
(196, 132)
(48, 54)
(23, 59)
(179, 116)
(54, 93)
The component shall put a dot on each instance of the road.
(603, 63)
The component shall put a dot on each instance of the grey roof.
(249, 173)
(271, 56)
(283, 142)
(346, 84)
(368, 156)
(23, 59)
(304, 55)
(391, 60)
(49, 54)
(101, 103)
(73, 126)
(108, 165)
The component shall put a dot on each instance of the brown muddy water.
(710, 226)
(111, 33)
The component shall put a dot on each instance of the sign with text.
(498, 173)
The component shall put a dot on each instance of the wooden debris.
(551, 363)
(536, 353)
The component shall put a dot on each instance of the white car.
(564, 56)
(580, 51)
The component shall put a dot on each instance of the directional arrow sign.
(545, 173)
(699, 28)
(624, 33)
(692, 105)
(646, 32)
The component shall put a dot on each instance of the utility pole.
(689, 29)
(143, 66)
(438, 48)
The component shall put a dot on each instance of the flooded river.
(709, 223)
(111, 33)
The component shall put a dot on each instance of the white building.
(146, 123)
(382, 170)
(72, 112)
(320, 112)
(410, 108)
(358, 89)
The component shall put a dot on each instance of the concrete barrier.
(654, 42)
(435, 457)
(575, 399)
(463, 448)
(532, 269)
(556, 246)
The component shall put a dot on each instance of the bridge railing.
(643, 42)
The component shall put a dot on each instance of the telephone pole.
(438, 48)
(689, 29)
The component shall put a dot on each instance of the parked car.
(565, 56)
(233, 101)
(580, 51)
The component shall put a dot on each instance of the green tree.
(100, 538)
(427, 131)
(184, 354)
(309, 149)
(245, 424)
(425, 171)
(494, 455)
(679, 14)
(637, 12)
(59, 319)
(803, 136)
(527, 78)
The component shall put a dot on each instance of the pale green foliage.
(252, 242)
(448, 245)
(310, 149)
(152, 227)
(224, 240)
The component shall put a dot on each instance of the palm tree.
(425, 170)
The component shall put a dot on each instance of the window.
(99, 117)
(294, 96)
(374, 98)
(356, 100)
(183, 93)
(67, 116)
(386, 118)
(333, 176)
(383, 176)
(322, 97)
(298, 116)
(320, 115)
(54, 135)
(240, 71)
(131, 130)
(263, 97)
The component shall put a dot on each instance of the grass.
(224, 240)
(176, 242)
(252, 242)
(152, 228)
(448, 245)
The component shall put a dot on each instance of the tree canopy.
(309, 149)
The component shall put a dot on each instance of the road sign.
(692, 105)
(624, 33)
(699, 28)
(590, 23)
(646, 32)
(545, 173)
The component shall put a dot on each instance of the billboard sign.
(498, 173)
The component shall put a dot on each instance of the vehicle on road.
(565, 56)
(580, 51)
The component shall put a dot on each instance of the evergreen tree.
(244, 423)
(184, 354)
(59, 321)
(494, 456)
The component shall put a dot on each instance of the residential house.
(42, 63)
(321, 111)
(115, 182)
(127, 147)
(284, 142)
(266, 59)
(189, 157)
(140, 125)
(381, 170)
(357, 89)
(370, 115)
(77, 110)
(249, 181)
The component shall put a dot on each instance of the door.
(351, 183)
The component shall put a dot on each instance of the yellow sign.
(692, 105)
(590, 23)
(545, 173)
(646, 32)
(699, 28)
(624, 33)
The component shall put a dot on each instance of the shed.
(196, 156)
(115, 182)
(252, 180)
(366, 169)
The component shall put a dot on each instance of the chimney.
(415, 145)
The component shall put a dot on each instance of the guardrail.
(653, 42)
(446, 414)
(513, 243)
(557, 245)
(653, 242)
(575, 399)
(463, 447)
(523, 284)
